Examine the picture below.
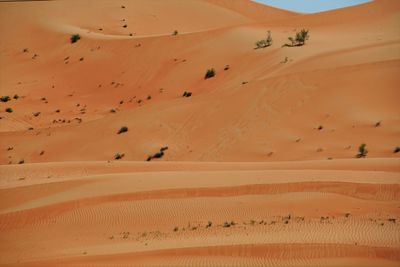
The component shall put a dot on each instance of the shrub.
(265, 42)
(75, 38)
(210, 73)
(176, 229)
(123, 129)
(119, 156)
(300, 38)
(397, 149)
(5, 98)
(157, 155)
(362, 151)
(16, 97)
(286, 60)
(187, 94)
(9, 110)
(21, 161)
(209, 224)
(227, 224)
(175, 32)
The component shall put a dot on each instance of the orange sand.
(244, 148)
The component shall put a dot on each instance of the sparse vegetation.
(5, 98)
(209, 224)
(123, 129)
(264, 42)
(157, 155)
(227, 224)
(286, 60)
(119, 156)
(75, 38)
(187, 94)
(176, 229)
(175, 32)
(9, 110)
(21, 161)
(210, 73)
(300, 38)
(362, 151)
(397, 149)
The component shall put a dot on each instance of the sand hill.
(257, 167)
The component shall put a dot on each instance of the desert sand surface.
(259, 164)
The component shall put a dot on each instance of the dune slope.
(259, 164)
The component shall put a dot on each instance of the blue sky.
(311, 6)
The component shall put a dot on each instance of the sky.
(311, 6)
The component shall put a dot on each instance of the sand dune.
(178, 217)
(259, 165)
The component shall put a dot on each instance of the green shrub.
(123, 129)
(157, 155)
(5, 98)
(362, 151)
(9, 110)
(75, 38)
(210, 73)
(187, 94)
(300, 38)
(118, 156)
(265, 42)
